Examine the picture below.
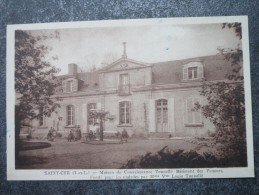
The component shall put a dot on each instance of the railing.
(124, 90)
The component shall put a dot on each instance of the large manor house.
(145, 99)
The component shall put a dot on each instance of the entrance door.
(161, 115)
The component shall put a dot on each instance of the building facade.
(151, 100)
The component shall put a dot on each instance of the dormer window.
(69, 86)
(193, 71)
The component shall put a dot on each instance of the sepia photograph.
(131, 94)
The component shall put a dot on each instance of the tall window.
(161, 115)
(70, 115)
(69, 86)
(193, 72)
(124, 87)
(124, 79)
(193, 116)
(92, 108)
(125, 112)
(42, 119)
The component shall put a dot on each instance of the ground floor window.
(124, 112)
(70, 115)
(162, 115)
(42, 119)
(92, 108)
(193, 116)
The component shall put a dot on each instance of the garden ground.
(81, 155)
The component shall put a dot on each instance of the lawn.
(80, 155)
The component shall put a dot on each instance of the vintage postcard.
(166, 98)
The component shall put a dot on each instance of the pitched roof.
(215, 68)
(90, 80)
(123, 60)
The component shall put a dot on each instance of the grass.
(34, 145)
(80, 155)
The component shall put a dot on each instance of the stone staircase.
(160, 135)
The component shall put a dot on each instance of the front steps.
(162, 135)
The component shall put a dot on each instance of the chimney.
(124, 55)
(72, 69)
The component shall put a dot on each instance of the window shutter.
(76, 115)
(189, 105)
(185, 112)
(99, 106)
(68, 86)
(200, 72)
(130, 112)
(75, 85)
(64, 85)
(185, 73)
(45, 121)
(152, 123)
(171, 122)
(84, 118)
(66, 115)
(120, 121)
(197, 114)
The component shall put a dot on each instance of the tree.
(35, 80)
(101, 116)
(93, 62)
(108, 58)
(225, 106)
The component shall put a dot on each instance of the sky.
(149, 44)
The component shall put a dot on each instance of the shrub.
(124, 134)
(29, 136)
(180, 159)
(58, 134)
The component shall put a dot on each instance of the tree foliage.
(225, 106)
(101, 116)
(35, 80)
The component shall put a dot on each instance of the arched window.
(125, 113)
(70, 115)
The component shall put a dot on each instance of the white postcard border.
(115, 174)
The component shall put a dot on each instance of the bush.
(34, 145)
(29, 136)
(124, 134)
(180, 159)
(58, 134)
